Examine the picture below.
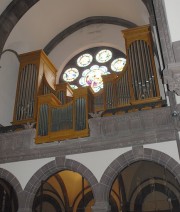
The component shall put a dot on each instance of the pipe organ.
(141, 63)
(34, 66)
(27, 87)
(62, 113)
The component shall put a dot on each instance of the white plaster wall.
(97, 162)
(170, 148)
(8, 81)
(177, 99)
(87, 37)
(172, 12)
(47, 18)
(24, 170)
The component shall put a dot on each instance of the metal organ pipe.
(123, 89)
(33, 90)
(25, 99)
(141, 70)
(18, 108)
(142, 74)
(135, 70)
(146, 78)
(119, 92)
(29, 74)
(127, 93)
(151, 71)
(134, 75)
(26, 91)
(80, 121)
(127, 88)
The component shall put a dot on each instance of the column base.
(24, 210)
(101, 207)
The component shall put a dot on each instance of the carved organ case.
(141, 64)
(34, 66)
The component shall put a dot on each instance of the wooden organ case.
(141, 64)
(34, 66)
(62, 113)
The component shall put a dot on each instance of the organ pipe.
(141, 63)
(33, 67)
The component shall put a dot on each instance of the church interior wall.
(87, 37)
(172, 12)
(97, 162)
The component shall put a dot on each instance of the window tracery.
(88, 67)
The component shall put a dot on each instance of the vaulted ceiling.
(42, 22)
(63, 28)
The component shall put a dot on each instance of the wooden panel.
(140, 59)
(64, 92)
(58, 122)
(34, 67)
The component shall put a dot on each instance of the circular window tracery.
(88, 67)
(93, 77)
(118, 64)
(104, 56)
(84, 60)
(70, 74)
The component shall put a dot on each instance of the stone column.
(24, 210)
(101, 207)
(172, 77)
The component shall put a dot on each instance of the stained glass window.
(104, 56)
(70, 74)
(92, 77)
(74, 86)
(84, 60)
(118, 64)
(87, 67)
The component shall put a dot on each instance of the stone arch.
(59, 164)
(10, 17)
(13, 181)
(139, 200)
(83, 23)
(135, 155)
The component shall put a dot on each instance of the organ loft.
(61, 112)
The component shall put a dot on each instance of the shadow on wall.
(9, 66)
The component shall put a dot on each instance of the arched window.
(86, 68)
